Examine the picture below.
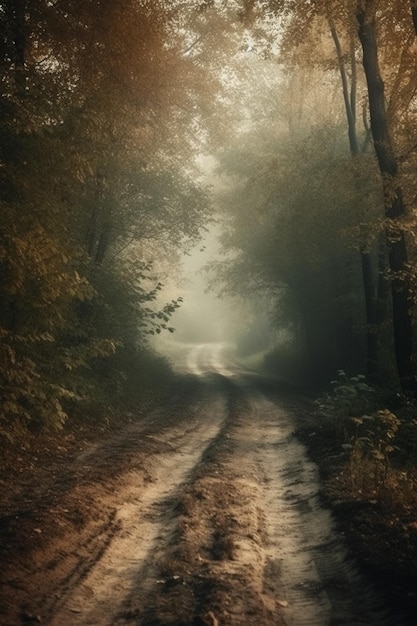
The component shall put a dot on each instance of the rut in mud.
(213, 520)
(144, 518)
(250, 543)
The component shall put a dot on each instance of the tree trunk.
(393, 198)
(372, 326)
(413, 5)
(349, 97)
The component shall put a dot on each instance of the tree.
(95, 163)
(393, 195)
(302, 25)
(287, 187)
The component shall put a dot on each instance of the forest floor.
(204, 511)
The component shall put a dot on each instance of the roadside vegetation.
(367, 458)
(378, 444)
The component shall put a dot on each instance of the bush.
(348, 397)
(381, 445)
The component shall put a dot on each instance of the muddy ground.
(203, 511)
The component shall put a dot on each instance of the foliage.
(373, 442)
(381, 464)
(97, 176)
(349, 396)
(377, 468)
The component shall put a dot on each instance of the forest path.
(206, 512)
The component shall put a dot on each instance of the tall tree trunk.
(393, 197)
(372, 326)
(413, 5)
(349, 97)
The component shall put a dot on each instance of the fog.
(204, 316)
(241, 328)
(209, 313)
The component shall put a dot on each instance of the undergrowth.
(377, 433)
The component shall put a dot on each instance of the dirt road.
(203, 512)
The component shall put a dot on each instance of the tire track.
(145, 517)
(319, 583)
(228, 529)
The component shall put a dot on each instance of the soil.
(206, 510)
